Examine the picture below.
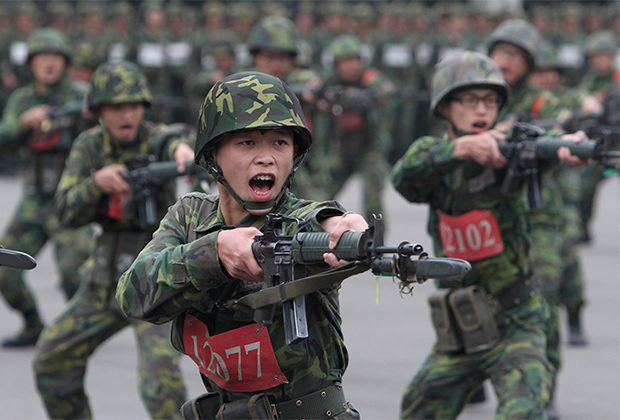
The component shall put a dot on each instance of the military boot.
(29, 335)
(576, 337)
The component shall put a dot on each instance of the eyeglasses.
(471, 101)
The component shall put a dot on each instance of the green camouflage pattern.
(48, 40)
(93, 316)
(517, 32)
(429, 173)
(179, 271)
(517, 367)
(601, 42)
(34, 222)
(466, 69)
(246, 101)
(117, 83)
(345, 46)
(274, 33)
(89, 319)
(547, 57)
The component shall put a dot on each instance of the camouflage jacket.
(47, 149)
(429, 173)
(78, 201)
(179, 271)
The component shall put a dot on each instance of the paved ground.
(388, 336)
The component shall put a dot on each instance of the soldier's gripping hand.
(564, 152)
(234, 250)
(336, 226)
(182, 154)
(109, 180)
(32, 118)
(483, 148)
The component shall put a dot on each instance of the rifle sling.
(301, 287)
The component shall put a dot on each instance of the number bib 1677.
(241, 360)
(471, 236)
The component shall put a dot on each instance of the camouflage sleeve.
(171, 273)
(427, 161)
(77, 195)
(10, 131)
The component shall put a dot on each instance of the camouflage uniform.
(532, 103)
(429, 173)
(34, 222)
(189, 279)
(356, 127)
(92, 315)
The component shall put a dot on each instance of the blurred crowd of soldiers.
(173, 41)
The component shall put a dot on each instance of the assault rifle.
(284, 260)
(528, 147)
(145, 176)
(16, 259)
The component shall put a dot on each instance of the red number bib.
(241, 360)
(472, 236)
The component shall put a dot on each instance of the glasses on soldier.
(471, 101)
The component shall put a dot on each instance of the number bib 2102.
(240, 360)
(472, 236)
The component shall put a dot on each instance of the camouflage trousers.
(591, 176)
(517, 367)
(547, 264)
(32, 226)
(90, 318)
(571, 282)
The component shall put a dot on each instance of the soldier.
(29, 122)
(355, 123)
(15, 69)
(253, 148)
(513, 46)
(492, 323)
(92, 189)
(120, 35)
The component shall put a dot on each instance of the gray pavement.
(388, 336)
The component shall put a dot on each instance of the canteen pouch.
(475, 319)
(448, 339)
(256, 407)
(202, 407)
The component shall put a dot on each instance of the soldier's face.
(602, 64)
(471, 119)
(547, 80)
(255, 164)
(511, 61)
(122, 120)
(274, 63)
(349, 69)
(47, 68)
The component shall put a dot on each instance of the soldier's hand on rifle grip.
(182, 154)
(483, 148)
(109, 180)
(336, 226)
(33, 118)
(234, 250)
(564, 153)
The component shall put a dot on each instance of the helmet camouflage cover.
(345, 46)
(275, 33)
(248, 101)
(600, 42)
(466, 69)
(517, 32)
(48, 40)
(118, 82)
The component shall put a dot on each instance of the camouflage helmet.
(345, 46)
(466, 69)
(600, 42)
(546, 57)
(249, 101)
(274, 33)
(116, 83)
(517, 32)
(48, 40)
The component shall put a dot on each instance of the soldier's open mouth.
(262, 184)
